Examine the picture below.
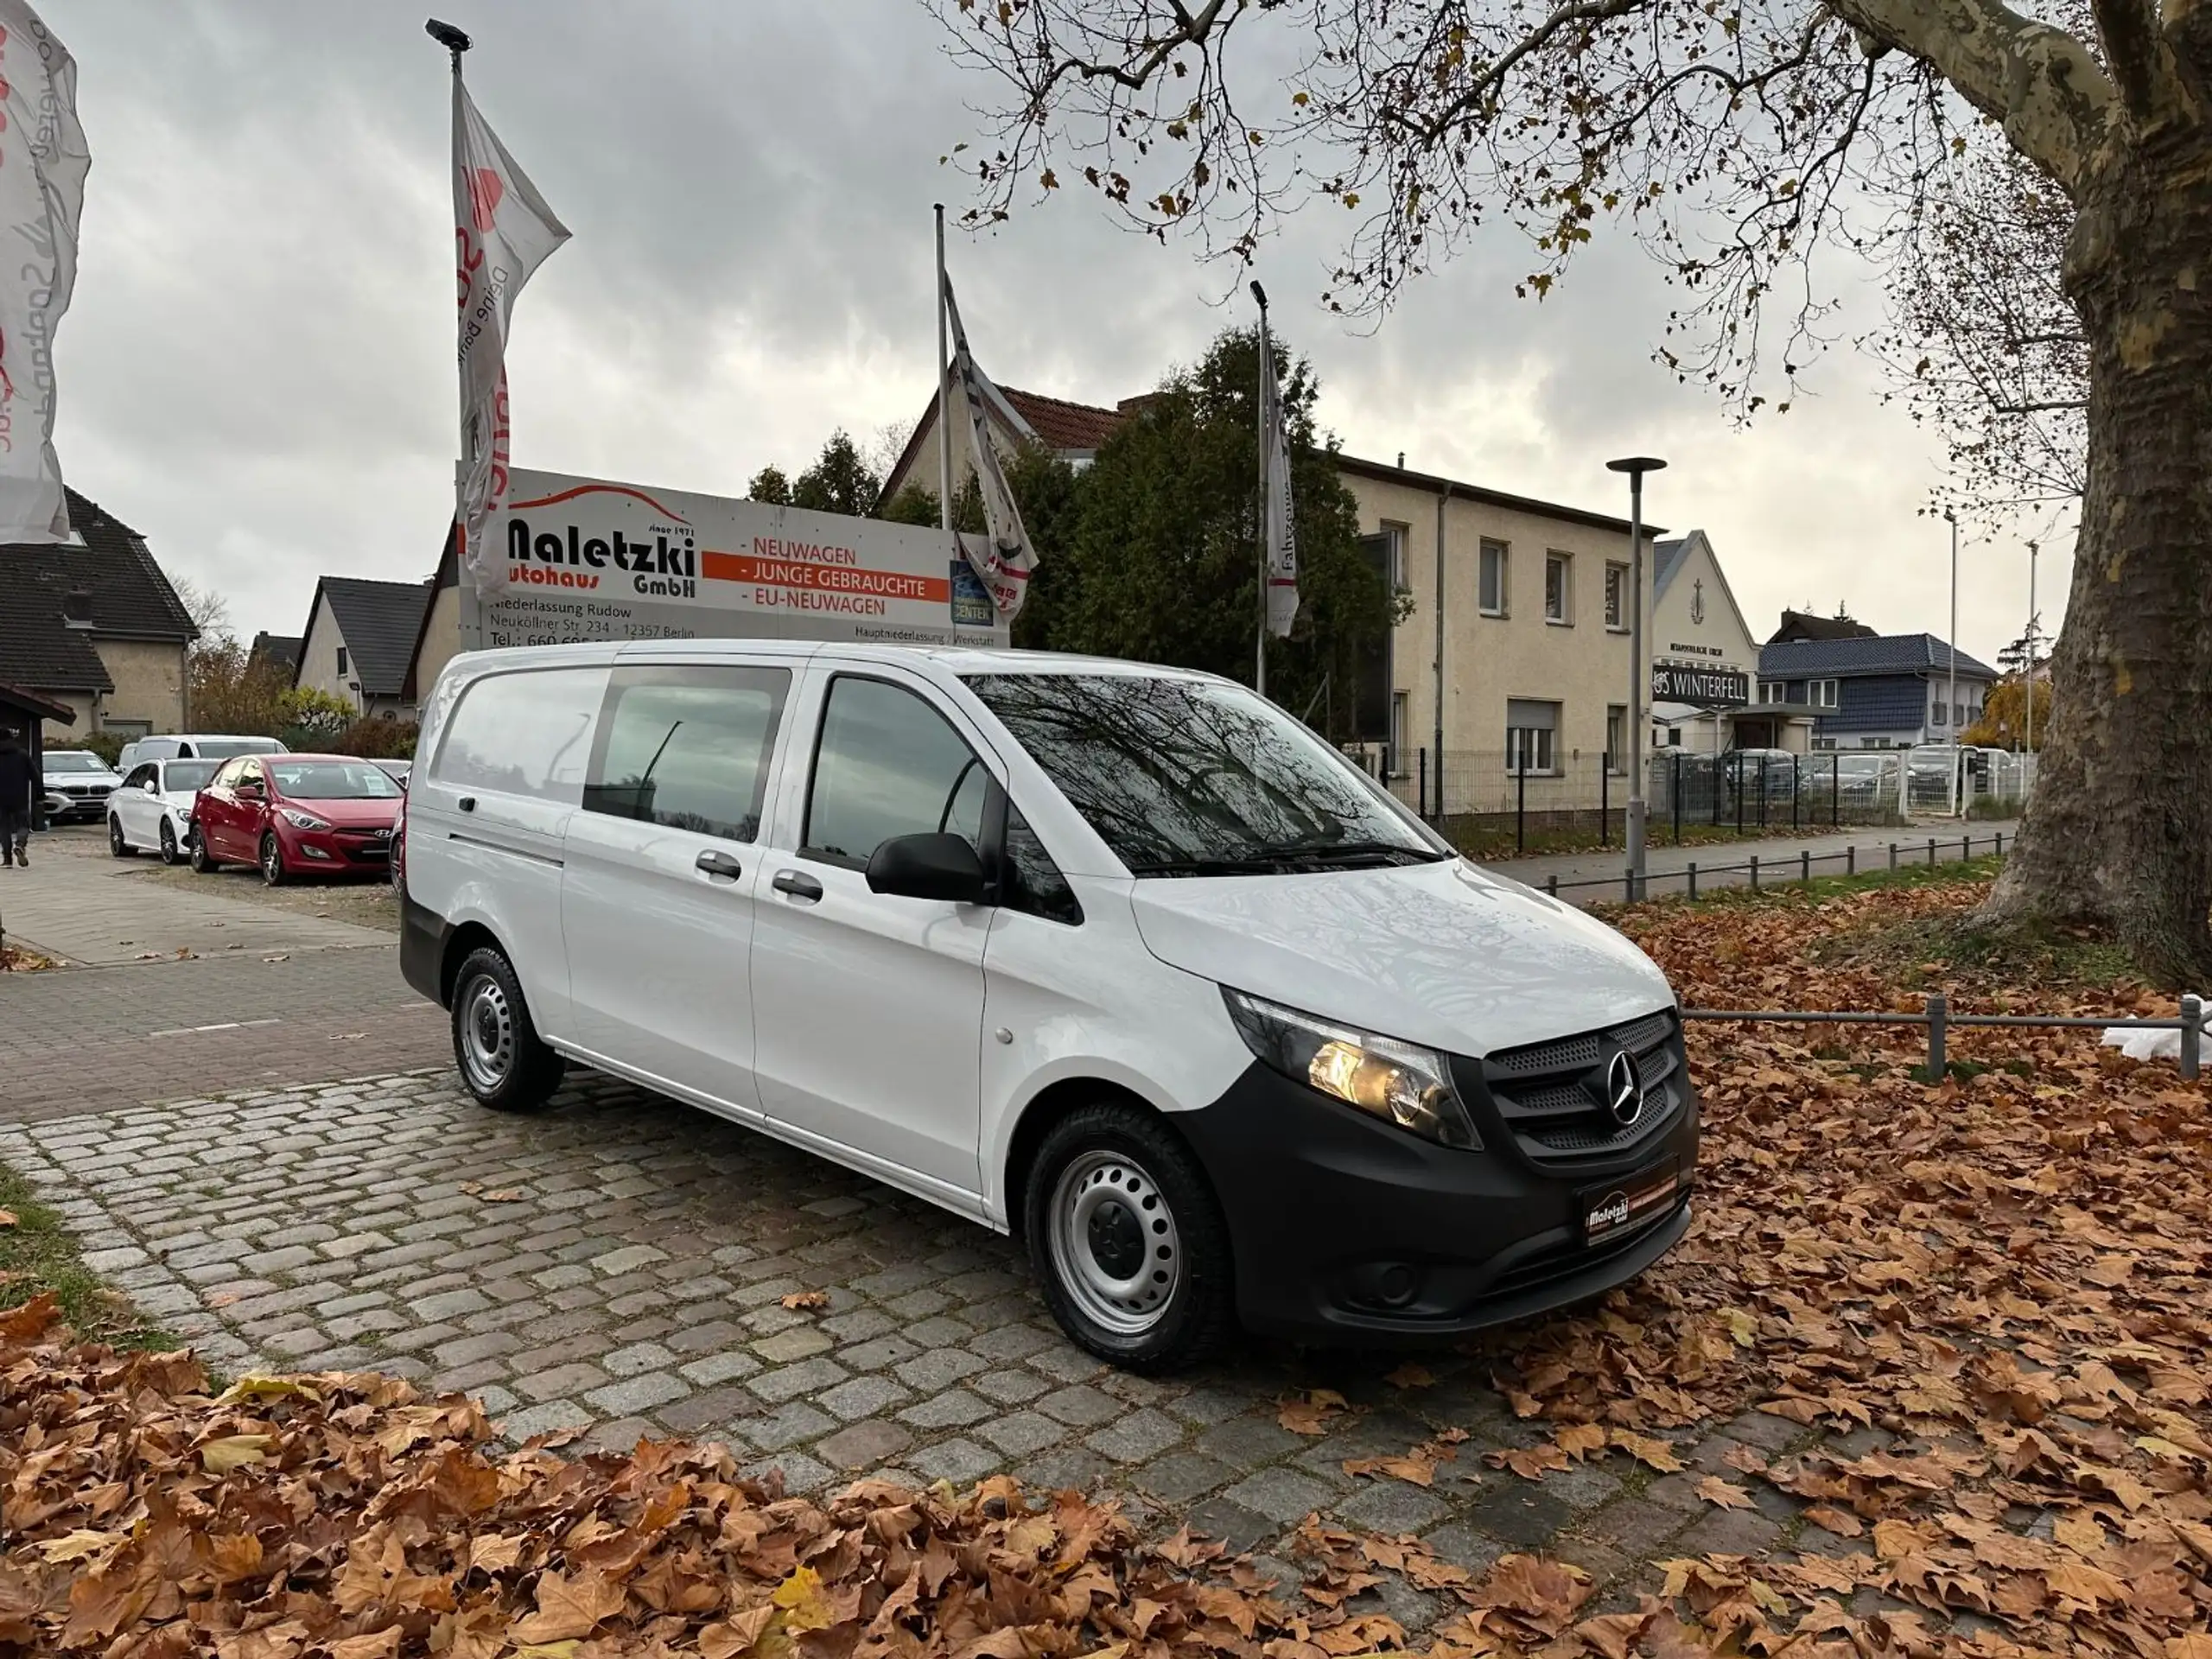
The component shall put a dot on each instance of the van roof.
(957, 659)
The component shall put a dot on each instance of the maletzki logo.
(539, 554)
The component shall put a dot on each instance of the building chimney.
(1401, 460)
(77, 609)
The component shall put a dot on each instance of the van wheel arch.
(1050, 1104)
(466, 937)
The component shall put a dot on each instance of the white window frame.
(1534, 750)
(1564, 564)
(1616, 738)
(1617, 575)
(1489, 546)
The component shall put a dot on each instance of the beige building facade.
(1536, 626)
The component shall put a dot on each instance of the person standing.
(18, 781)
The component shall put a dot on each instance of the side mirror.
(941, 866)
(152, 785)
(252, 793)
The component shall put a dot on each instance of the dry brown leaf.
(802, 1301)
(1310, 1414)
(1410, 1375)
(1713, 1490)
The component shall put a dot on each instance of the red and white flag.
(43, 161)
(503, 231)
(1001, 557)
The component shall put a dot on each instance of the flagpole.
(1260, 521)
(943, 390)
(469, 616)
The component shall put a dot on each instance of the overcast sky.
(258, 371)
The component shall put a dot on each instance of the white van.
(1122, 959)
(194, 746)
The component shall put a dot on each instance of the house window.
(1823, 694)
(1617, 598)
(341, 661)
(1395, 536)
(1559, 588)
(1492, 596)
(1531, 736)
(1398, 702)
(1771, 690)
(1942, 714)
(1616, 738)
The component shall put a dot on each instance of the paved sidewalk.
(79, 905)
(620, 1263)
(1666, 866)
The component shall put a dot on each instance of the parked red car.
(294, 815)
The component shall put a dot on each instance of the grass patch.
(1923, 951)
(1488, 843)
(38, 1254)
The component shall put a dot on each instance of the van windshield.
(1195, 777)
(224, 748)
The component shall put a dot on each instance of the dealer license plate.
(1628, 1204)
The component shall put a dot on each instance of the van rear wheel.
(1127, 1240)
(503, 1061)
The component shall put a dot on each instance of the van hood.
(1444, 954)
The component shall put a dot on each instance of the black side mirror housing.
(941, 866)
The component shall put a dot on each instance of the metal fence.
(1936, 1016)
(1799, 866)
(1580, 796)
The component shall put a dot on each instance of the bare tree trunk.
(2119, 834)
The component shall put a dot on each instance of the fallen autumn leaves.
(1995, 1287)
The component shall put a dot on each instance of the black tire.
(116, 846)
(502, 1061)
(272, 863)
(202, 862)
(169, 853)
(1111, 1180)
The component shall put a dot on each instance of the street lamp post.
(1638, 671)
(1958, 745)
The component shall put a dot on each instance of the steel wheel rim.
(487, 1033)
(1114, 1243)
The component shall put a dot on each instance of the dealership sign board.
(589, 559)
(1705, 688)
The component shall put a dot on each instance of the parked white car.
(74, 785)
(195, 746)
(152, 811)
(1123, 959)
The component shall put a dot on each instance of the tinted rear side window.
(526, 733)
(688, 748)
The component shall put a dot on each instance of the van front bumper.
(1348, 1228)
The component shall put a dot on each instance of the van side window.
(687, 747)
(526, 733)
(889, 765)
(1034, 884)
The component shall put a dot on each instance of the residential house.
(1701, 647)
(1071, 431)
(359, 642)
(93, 626)
(1876, 691)
(437, 641)
(1803, 624)
(280, 650)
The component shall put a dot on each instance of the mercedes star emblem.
(1624, 1088)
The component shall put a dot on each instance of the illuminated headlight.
(299, 820)
(1401, 1082)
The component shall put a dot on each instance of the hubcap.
(1113, 1242)
(487, 1034)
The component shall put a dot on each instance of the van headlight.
(1401, 1082)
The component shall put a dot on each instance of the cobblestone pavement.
(619, 1264)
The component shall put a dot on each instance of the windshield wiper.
(1268, 865)
(1330, 851)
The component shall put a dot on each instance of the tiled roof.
(22, 700)
(1063, 425)
(1803, 624)
(1885, 653)
(1667, 560)
(379, 621)
(126, 596)
(282, 649)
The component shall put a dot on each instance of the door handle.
(466, 803)
(718, 863)
(797, 884)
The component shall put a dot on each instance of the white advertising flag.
(503, 231)
(43, 161)
(1279, 527)
(1001, 557)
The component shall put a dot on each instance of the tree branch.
(2142, 67)
(2039, 83)
(1488, 79)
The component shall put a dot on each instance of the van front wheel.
(1127, 1240)
(504, 1063)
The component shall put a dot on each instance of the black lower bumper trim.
(1349, 1229)
(422, 936)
